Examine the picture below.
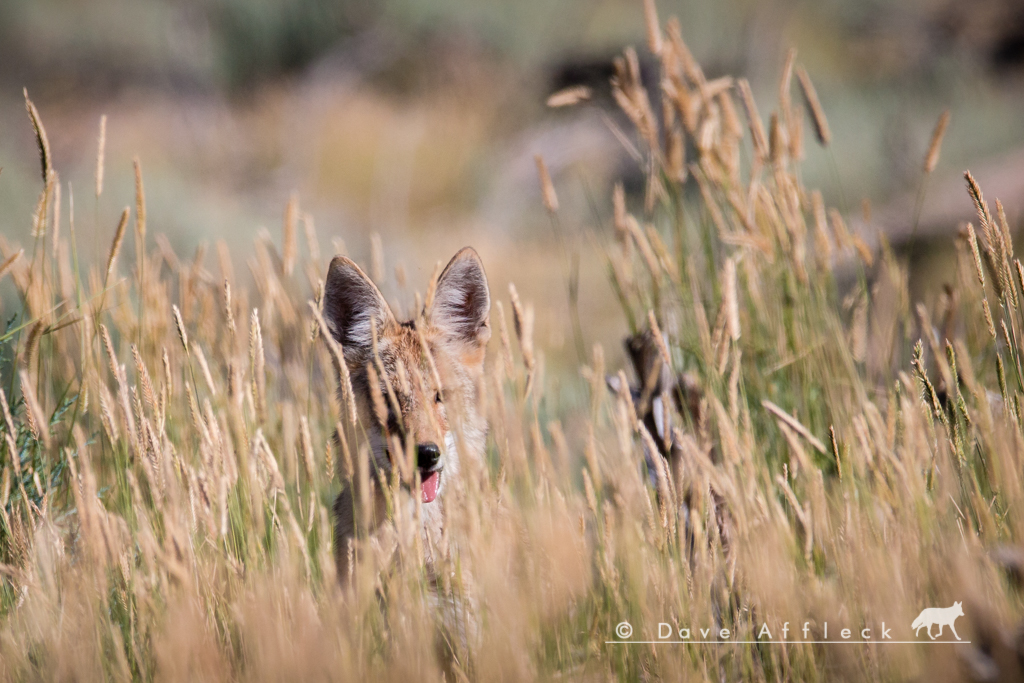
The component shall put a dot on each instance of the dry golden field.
(836, 453)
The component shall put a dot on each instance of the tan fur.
(451, 336)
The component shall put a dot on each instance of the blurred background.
(419, 120)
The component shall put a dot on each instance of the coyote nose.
(428, 456)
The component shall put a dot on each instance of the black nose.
(428, 455)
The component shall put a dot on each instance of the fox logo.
(415, 385)
(943, 616)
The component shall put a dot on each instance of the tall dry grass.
(833, 452)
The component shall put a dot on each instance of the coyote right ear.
(351, 301)
(462, 301)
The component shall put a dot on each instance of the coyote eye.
(437, 397)
(393, 425)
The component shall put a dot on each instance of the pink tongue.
(429, 488)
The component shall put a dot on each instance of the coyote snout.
(415, 385)
(943, 616)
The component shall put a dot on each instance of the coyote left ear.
(353, 305)
(462, 302)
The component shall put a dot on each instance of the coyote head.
(415, 382)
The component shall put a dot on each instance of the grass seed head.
(931, 160)
(570, 96)
(41, 140)
(115, 246)
(547, 188)
(813, 104)
(179, 325)
(101, 153)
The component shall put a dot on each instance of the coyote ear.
(462, 302)
(351, 301)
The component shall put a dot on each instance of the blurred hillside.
(419, 119)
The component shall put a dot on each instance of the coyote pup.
(395, 368)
